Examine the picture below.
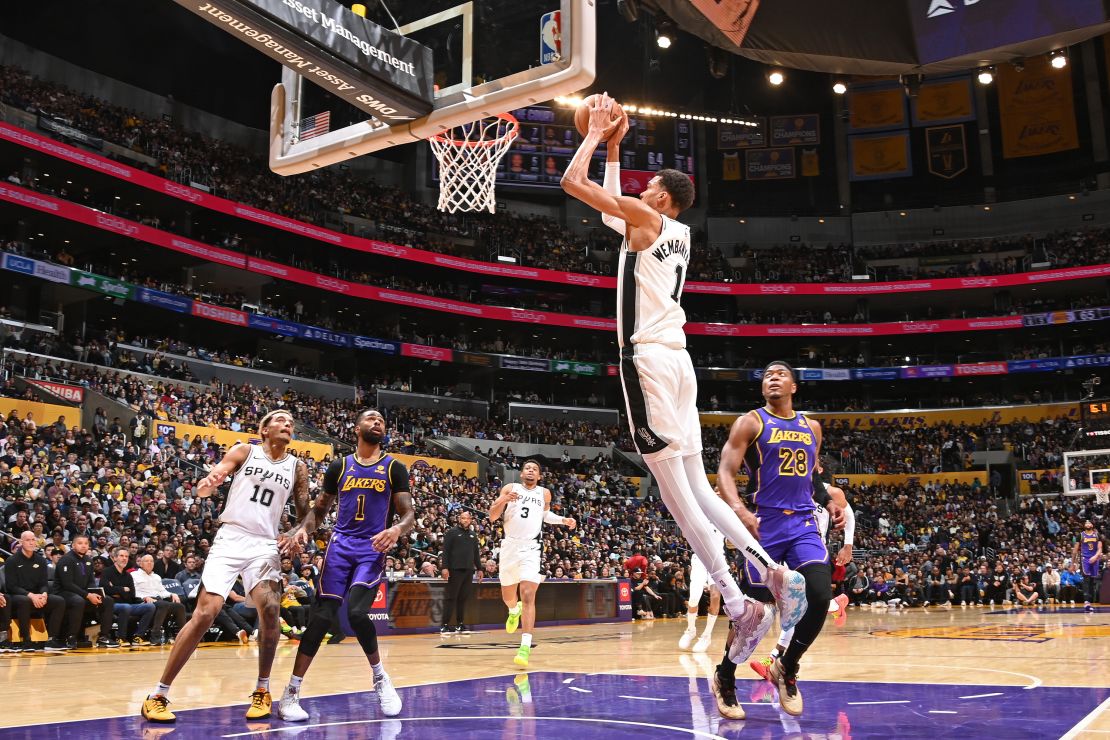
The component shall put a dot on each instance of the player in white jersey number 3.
(660, 387)
(247, 544)
(527, 507)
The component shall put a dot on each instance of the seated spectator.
(167, 565)
(26, 583)
(1026, 592)
(1050, 583)
(74, 582)
(1071, 584)
(150, 590)
(118, 583)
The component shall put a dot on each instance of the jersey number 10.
(267, 496)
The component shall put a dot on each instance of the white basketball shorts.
(519, 560)
(237, 553)
(661, 398)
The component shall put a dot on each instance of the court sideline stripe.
(1082, 724)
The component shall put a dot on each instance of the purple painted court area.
(584, 707)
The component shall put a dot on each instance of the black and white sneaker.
(55, 645)
(107, 642)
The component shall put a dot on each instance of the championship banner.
(946, 150)
(730, 166)
(732, 136)
(811, 163)
(1036, 109)
(770, 164)
(880, 156)
(876, 108)
(943, 101)
(787, 130)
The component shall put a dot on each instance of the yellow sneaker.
(522, 656)
(260, 704)
(513, 621)
(156, 709)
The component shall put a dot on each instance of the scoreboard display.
(1095, 418)
(548, 139)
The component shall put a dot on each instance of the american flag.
(315, 125)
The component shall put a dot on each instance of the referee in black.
(460, 557)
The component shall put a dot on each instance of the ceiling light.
(1058, 59)
(776, 77)
(986, 75)
(839, 87)
(664, 32)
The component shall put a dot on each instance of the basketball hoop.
(1102, 493)
(468, 156)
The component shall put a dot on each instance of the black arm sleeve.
(821, 493)
(398, 477)
(331, 476)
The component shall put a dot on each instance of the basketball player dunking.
(660, 388)
(527, 507)
(1088, 551)
(779, 448)
(247, 545)
(371, 486)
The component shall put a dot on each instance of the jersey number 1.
(267, 496)
(677, 284)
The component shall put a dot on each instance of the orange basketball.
(582, 114)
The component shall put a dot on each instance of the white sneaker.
(702, 645)
(289, 709)
(687, 638)
(388, 698)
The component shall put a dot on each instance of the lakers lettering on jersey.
(780, 463)
(1089, 543)
(365, 493)
(259, 491)
(649, 289)
(524, 517)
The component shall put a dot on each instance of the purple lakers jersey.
(780, 463)
(1088, 544)
(365, 495)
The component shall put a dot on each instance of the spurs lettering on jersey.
(524, 517)
(650, 289)
(259, 492)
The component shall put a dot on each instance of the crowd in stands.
(540, 242)
(953, 544)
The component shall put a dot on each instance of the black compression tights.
(359, 599)
(818, 593)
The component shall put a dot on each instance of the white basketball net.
(1102, 493)
(468, 156)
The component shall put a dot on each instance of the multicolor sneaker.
(762, 666)
(748, 629)
(789, 589)
(522, 656)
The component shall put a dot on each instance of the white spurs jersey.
(524, 517)
(258, 494)
(649, 288)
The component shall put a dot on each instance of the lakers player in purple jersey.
(1088, 551)
(371, 487)
(779, 448)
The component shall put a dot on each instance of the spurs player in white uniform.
(526, 507)
(697, 581)
(248, 544)
(660, 388)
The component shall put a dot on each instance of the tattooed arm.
(309, 517)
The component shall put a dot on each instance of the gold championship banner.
(880, 156)
(943, 101)
(878, 419)
(811, 164)
(41, 413)
(315, 450)
(876, 108)
(1036, 109)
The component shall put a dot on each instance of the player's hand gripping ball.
(582, 116)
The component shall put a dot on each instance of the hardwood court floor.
(961, 659)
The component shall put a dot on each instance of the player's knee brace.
(319, 622)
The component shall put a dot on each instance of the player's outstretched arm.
(576, 181)
(550, 517)
(504, 497)
(612, 181)
(235, 457)
(740, 437)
